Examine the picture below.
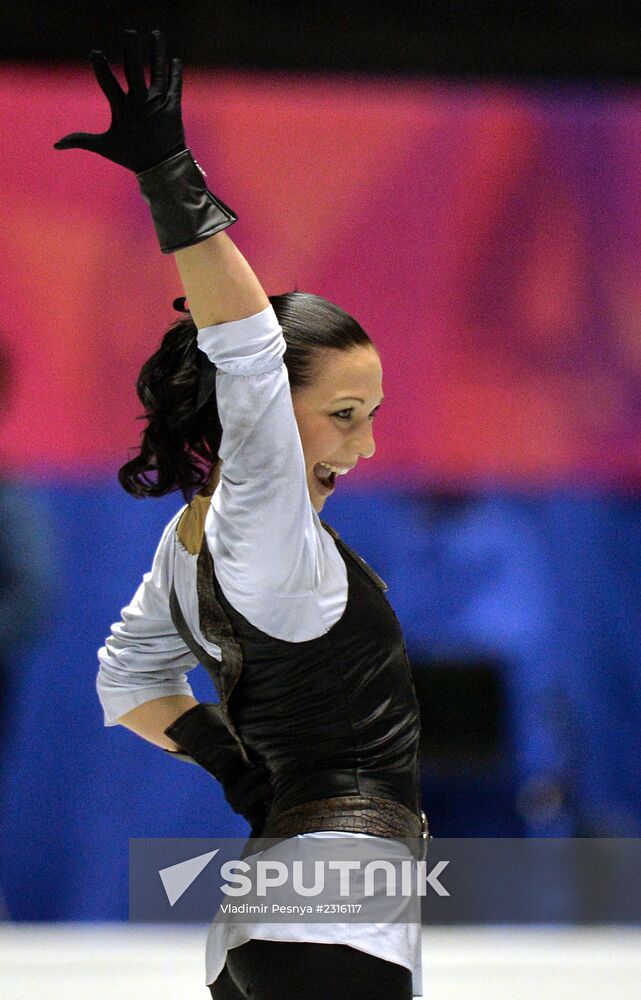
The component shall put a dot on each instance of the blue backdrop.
(547, 587)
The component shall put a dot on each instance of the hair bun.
(180, 304)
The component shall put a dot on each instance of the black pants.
(301, 970)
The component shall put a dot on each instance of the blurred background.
(466, 180)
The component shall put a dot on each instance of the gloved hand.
(202, 732)
(146, 136)
(146, 124)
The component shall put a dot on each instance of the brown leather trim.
(350, 813)
(191, 526)
(214, 623)
(210, 663)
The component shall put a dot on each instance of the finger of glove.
(80, 140)
(134, 69)
(107, 81)
(158, 65)
(175, 88)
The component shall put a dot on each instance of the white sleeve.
(144, 657)
(264, 535)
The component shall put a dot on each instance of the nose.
(365, 441)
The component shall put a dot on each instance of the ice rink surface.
(107, 961)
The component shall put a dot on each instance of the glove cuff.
(184, 211)
(202, 735)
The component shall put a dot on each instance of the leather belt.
(350, 814)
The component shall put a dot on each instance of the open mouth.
(325, 478)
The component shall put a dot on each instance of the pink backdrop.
(487, 237)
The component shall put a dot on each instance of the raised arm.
(146, 136)
(218, 282)
(263, 479)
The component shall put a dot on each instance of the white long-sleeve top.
(275, 564)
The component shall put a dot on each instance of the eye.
(346, 414)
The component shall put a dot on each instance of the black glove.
(146, 136)
(146, 125)
(202, 732)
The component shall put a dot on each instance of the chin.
(317, 502)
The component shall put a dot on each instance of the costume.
(322, 694)
(250, 577)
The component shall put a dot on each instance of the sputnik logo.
(177, 878)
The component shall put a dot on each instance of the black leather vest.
(335, 719)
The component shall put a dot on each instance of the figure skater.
(255, 407)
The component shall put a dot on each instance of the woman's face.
(334, 416)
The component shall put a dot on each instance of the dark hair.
(179, 446)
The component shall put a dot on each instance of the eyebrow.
(357, 398)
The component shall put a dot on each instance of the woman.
(260, 404)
